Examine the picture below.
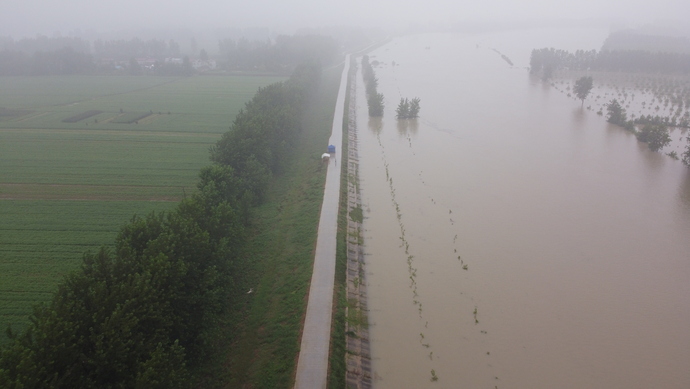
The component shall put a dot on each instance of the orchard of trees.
(139, 316)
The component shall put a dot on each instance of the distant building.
(203, 66)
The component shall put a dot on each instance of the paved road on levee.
(312, 366)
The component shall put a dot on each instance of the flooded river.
(513, 239)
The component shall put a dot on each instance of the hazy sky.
(29, 17)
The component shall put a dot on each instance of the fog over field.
(20, 18)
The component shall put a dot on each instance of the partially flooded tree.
(686, 154)
(374, 99)
(655, 136)
(403, 109)
(376, 105)
(582, 88)
(616, 113)
(414, 107)
(408, 109)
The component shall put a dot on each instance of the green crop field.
(79, 155)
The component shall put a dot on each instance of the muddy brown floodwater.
(513, 239)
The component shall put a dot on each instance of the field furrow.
(130, 145)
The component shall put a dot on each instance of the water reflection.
(579, 116)
(655, 161)
(375, 125)
(407, 127)
(536, 81)
(684, 191)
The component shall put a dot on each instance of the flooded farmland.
(513, 238)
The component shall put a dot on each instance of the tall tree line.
(548, 60)
(57, 56)
(125, 49)
(44, 44)
(65, 61)
(283, 54)
(138, 316)
(67, 56)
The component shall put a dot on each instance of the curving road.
(312, 366)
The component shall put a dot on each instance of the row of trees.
(69, 62)
(122, 50)
(66, 56)
(374, 98)
(138, 316)
(632, 40)
(44, 44)
(283, 54)
(61, 62)
(663, 120)
(46, 56)
(548, 60)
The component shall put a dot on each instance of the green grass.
(204, 104)
(259, 343)
(40, 241)
(68, 187)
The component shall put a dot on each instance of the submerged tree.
(582, 88)
(403, 109)
(616, 113)
(408, 109)
(655, 136)
(414, 107)
(374, 99)
(686, 154)
(376, 105)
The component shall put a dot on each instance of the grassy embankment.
(336, 364)
(263, 351)
(68, 187)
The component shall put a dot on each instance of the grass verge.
(337, 367)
